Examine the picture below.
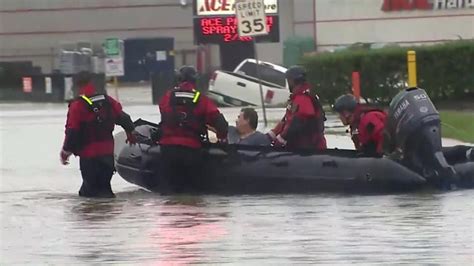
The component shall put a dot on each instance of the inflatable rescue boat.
(236, 169)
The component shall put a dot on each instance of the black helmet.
(187, 73)
(346, 102)
(296, 73)
(83, 78)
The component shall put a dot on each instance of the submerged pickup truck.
(241, 87)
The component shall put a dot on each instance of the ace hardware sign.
(408, 5)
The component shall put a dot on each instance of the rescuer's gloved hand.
(64, 156)
(279, 142)
(271, 135)
(222, 141)
(131, 137)
(156, 134)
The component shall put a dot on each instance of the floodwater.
(43, 221)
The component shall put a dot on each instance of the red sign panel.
(27, 84)
(269, 96)
(224, 29)
(399, 5)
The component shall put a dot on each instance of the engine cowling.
(410, 110)
(414, 127)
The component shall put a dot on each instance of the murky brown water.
(43, 221)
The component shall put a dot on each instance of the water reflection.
(43, 221)
(97, 210)
(184, 227)
(148, 229)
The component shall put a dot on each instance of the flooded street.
(43, 221)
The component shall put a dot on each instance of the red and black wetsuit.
(185, 113)
(367, 129)
(90, 122)
(302, 127)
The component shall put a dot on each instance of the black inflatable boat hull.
(249, 172)
(255, 170)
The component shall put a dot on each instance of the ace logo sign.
(251, 18)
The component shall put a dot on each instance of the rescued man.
(245, 130)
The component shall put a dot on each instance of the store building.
(37, 29)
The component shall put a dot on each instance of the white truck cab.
(241, 88)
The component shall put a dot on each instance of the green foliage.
(445, 71)
(295, 47)
(458, 125)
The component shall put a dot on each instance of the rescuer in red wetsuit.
(185, 115)
(91, 119)
(302, 127)
(366, 124)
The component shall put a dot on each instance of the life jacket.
(360, 111)
(183, 115)
(318, 108)
(100, 127)
(308, 132)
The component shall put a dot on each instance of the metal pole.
(116, 88)
(260, 82)
(315, 30)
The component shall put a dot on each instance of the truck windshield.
(267, 73)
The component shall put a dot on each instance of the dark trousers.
(182, 169)
(96, 175)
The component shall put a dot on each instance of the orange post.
(356, 85)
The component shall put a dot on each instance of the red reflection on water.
(181, 232)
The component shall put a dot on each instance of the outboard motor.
(414, 127)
